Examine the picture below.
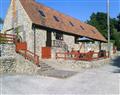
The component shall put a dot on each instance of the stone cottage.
(48, 31)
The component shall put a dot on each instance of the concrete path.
(104, 80)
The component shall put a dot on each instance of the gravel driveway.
(102, 80)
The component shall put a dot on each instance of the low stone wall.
(25, 66)
(73, 65)
(7, 58)
(92, 64)
(11, 62)
(7, 50)
(7, 65)
(17, 65)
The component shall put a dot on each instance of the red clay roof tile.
(32, 8)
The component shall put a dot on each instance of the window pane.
(56, 18)
(59, 36)
(94, 31)
(71, 23)
(82, 27)
(41, 13)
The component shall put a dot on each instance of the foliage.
(17, 31)
(99, 20)
(1, 20)
(116, 37)
(118, 23)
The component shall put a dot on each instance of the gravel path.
(102, 80)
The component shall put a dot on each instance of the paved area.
(104, 80)
(49, 71)
(58, 73)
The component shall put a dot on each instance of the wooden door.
(46, 52)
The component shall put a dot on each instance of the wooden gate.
(46, 52)
(21, 46)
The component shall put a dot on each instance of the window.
(59, 36)
(0, 52)
(76, 40)
(71, 23)
(82, 27)
(41, 13)
(94, 31)
(56, 18)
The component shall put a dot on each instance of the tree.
(1, 20)
(118, 23)
(99, 20)
(116, 37)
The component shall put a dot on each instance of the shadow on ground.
(116, 62)
(58, 73)
(49, 71)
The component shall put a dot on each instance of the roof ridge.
(58, 11)
(67, 15)
(64, 25)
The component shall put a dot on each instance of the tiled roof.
(66, 23)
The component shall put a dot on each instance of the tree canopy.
(1, 20)
(99, 20)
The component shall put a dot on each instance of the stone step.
(42, 68)
(45, 67)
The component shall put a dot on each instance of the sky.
(80, 9)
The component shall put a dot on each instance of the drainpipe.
(34, 30)
(99, 46)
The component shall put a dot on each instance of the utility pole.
(108, 26)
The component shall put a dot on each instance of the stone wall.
(7, 50)
(70, 41)
(23, 20)
(11, 62)
(17, 65)
(73, 65)
(7, 58)
(105, 47)
(27, 33)
(40, 41)
(8, 19)
(7, 65)
(25, 66)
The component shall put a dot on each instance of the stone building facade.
(37, 38)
